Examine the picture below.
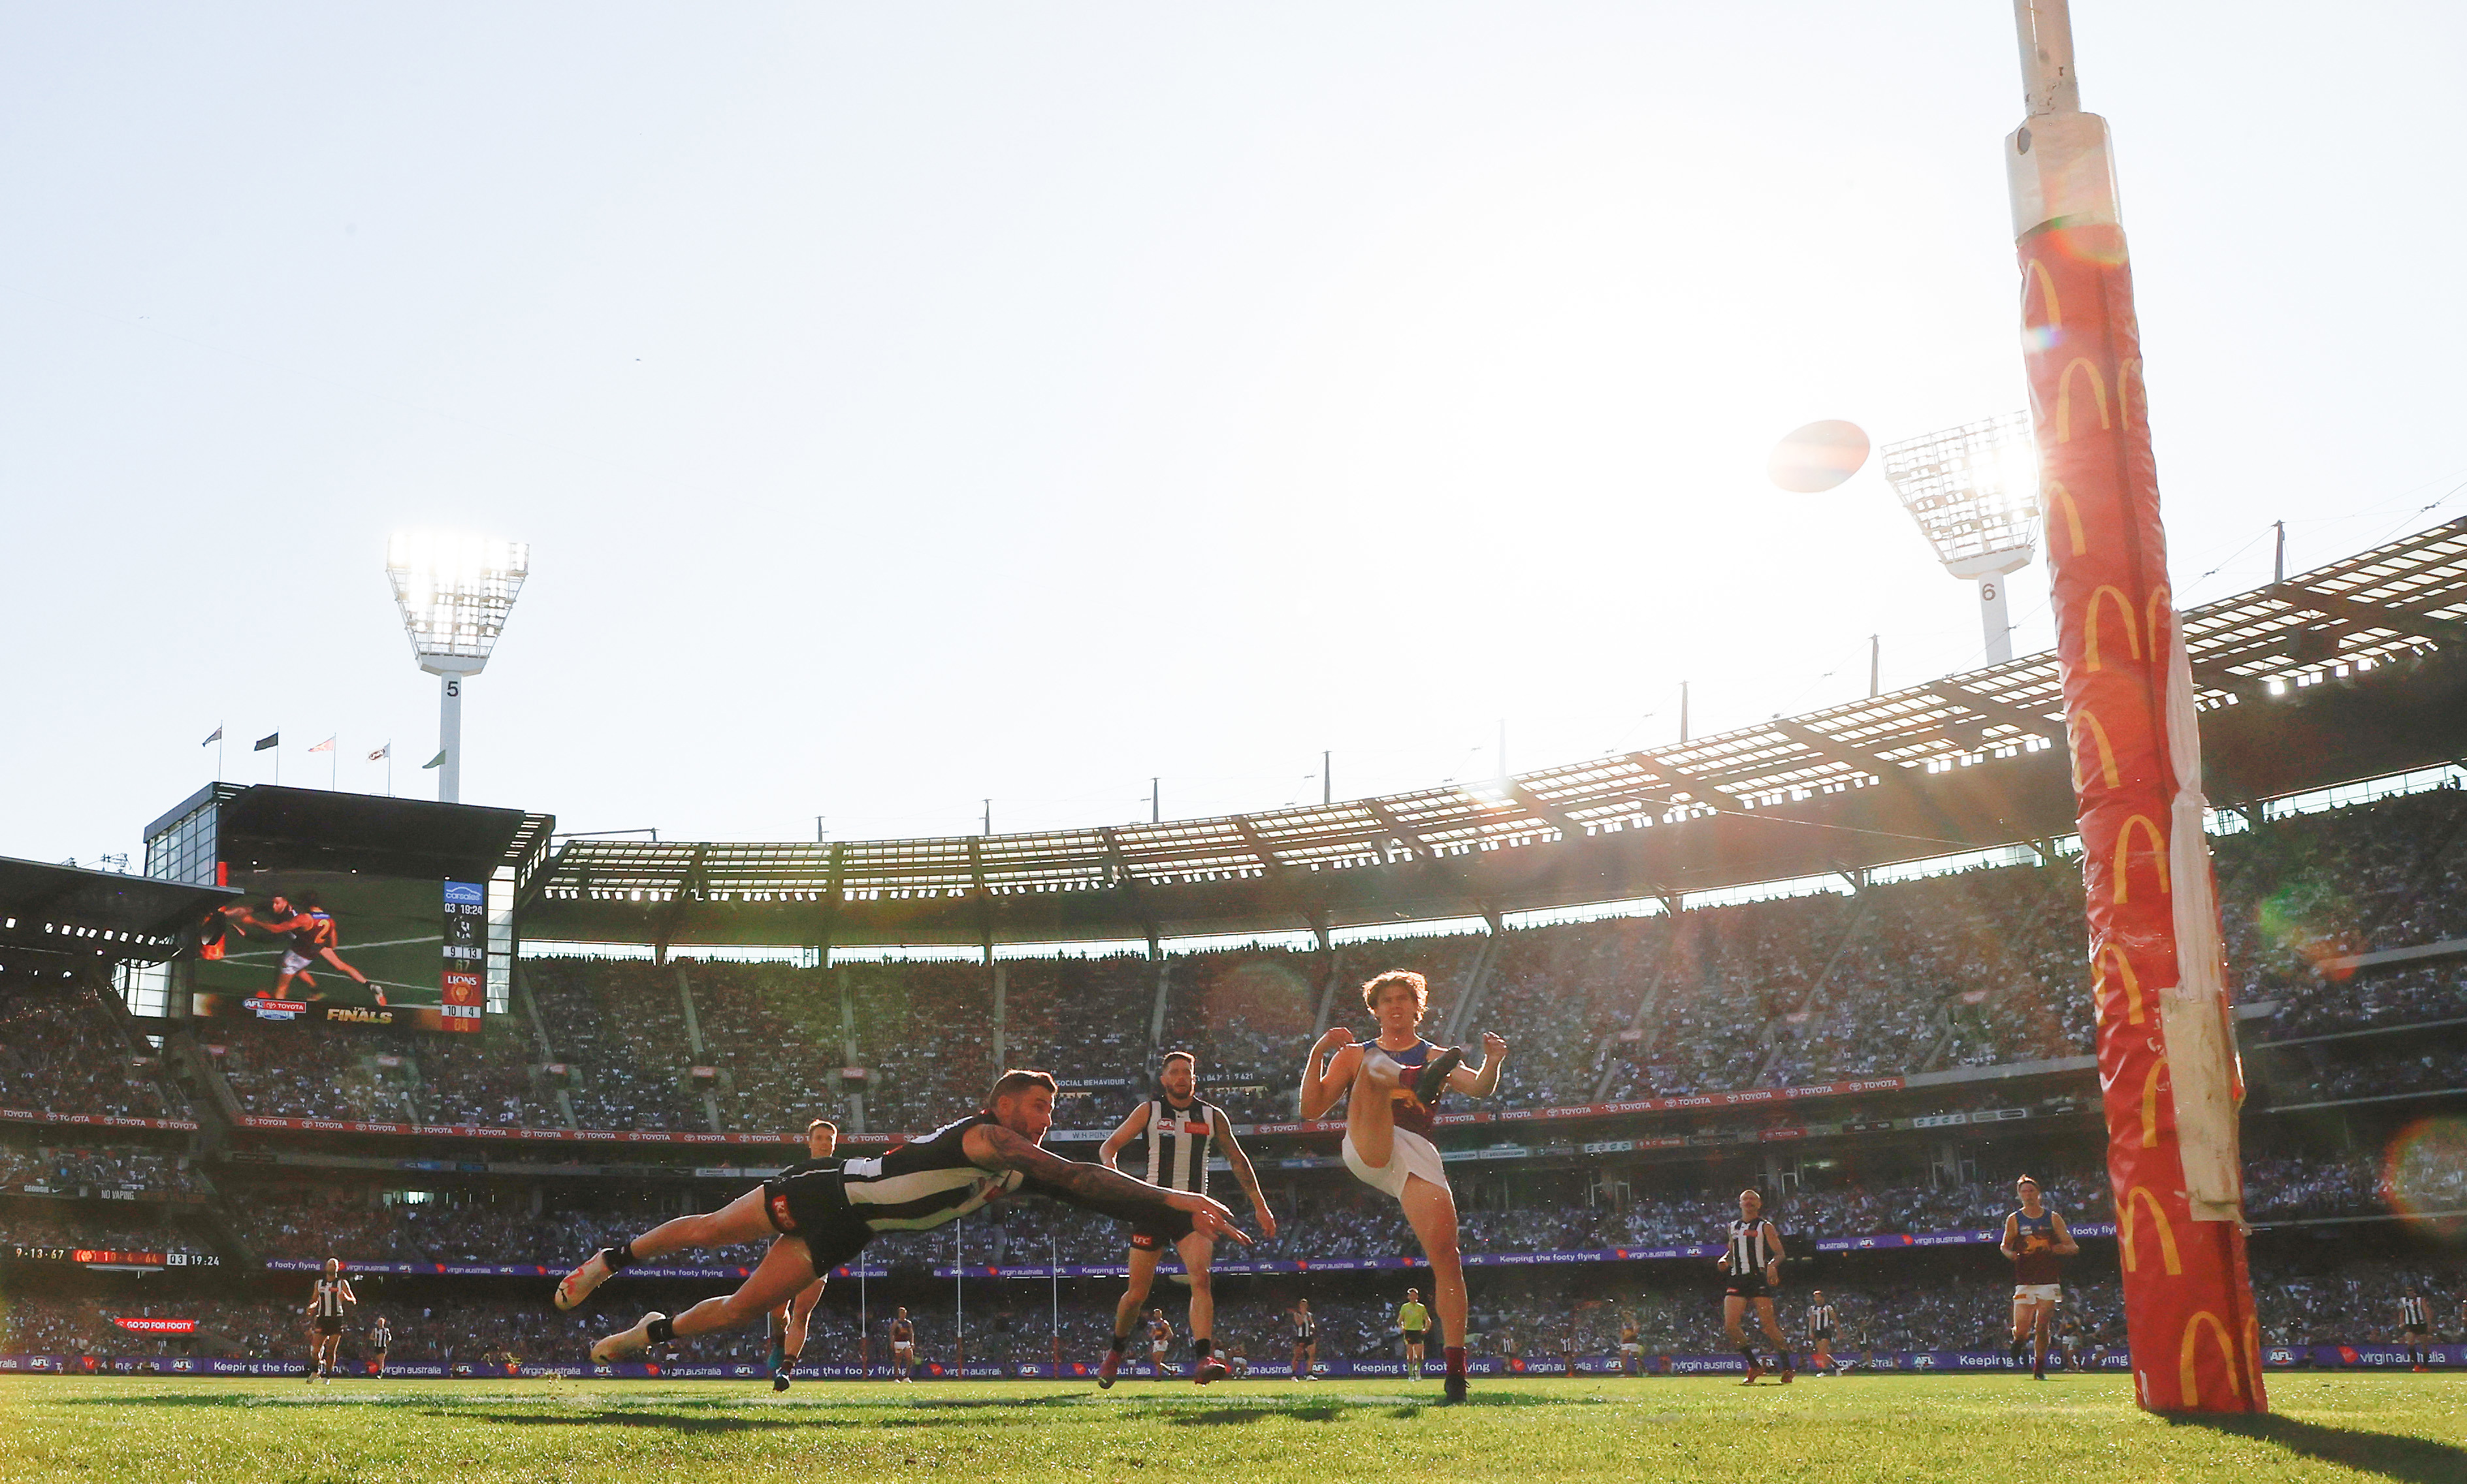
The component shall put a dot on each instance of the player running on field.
(903, 1347)
(2037, 1241)
(787, 1324)
(1305, 1339)
(381, 1340)
(1414, 1322)
(1179, 1133)
(1392, 1085)
(1751, 1264)
(1159, 1344)
(2414, 1326)
(326, 1303)
(1821, 1323)
(823, 1218)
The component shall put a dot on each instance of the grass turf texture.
(1954, 1429)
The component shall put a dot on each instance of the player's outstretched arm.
(2065, 1245)
(1119, 1139)
(1482, 1083)
(990, 1146)
(1322, 1088)
(1243, 1172)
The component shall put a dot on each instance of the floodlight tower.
(455, 591)
(1974, 491)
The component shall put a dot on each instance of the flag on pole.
(326, 745)
(216, 737)
(382, 753)
(437, 761)
(270, 740)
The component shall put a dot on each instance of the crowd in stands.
(37, 1221)
(1974, 968)
(112, 1167)
(62, 1051)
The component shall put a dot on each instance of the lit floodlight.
(455, 591)
(1974, 491)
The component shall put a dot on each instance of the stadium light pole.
(455, 591)
(1974, 491)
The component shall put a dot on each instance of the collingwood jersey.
(380, 1335)
(1180, 1141)
(330, 1297)
(2412, 1314)
(923, 1184)
(1819, 1318)
(1750, 1249)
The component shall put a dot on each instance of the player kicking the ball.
(1179, 1133)
(823, 1218)
(1392, 1085)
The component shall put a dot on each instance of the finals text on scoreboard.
(463, 976)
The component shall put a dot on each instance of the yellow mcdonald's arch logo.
(2124, 855)
(2203, 1320)
(2150, 1104)
(2038, 275)
(2161, 600)
(2124, 1232)
(2133, 1012)
(2125, 375)
(2061, 499)
(2090, 624)
(2087, 721)
(2064, 397)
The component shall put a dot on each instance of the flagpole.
(219, 751)
(333, 762)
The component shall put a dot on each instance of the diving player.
(2037, 1241)
(1750, 1264)
(1180, 1133)
(787, 1323)
(825, 1217)
(1390, 1084)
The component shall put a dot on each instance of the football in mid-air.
(1818, 457)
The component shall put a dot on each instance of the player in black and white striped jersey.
(1822, 1321)
(820, 1218)
(326, 1304)
(1181, 1134)
(1751, 1264)
(2415, 1326)
(381, 1340)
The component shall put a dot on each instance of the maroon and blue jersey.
(1410, 1113)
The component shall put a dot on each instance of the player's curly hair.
(1420, 986)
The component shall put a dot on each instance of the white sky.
(910, 404)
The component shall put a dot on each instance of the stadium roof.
(2353, 670)
(56, 919)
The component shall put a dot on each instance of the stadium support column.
(2166, 1059)
(449, 738)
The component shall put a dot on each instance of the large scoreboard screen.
(348, 945)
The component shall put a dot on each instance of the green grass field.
(1954, 1429)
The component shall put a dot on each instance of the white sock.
(1381, 1065)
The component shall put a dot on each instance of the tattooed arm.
(1093, 1187)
